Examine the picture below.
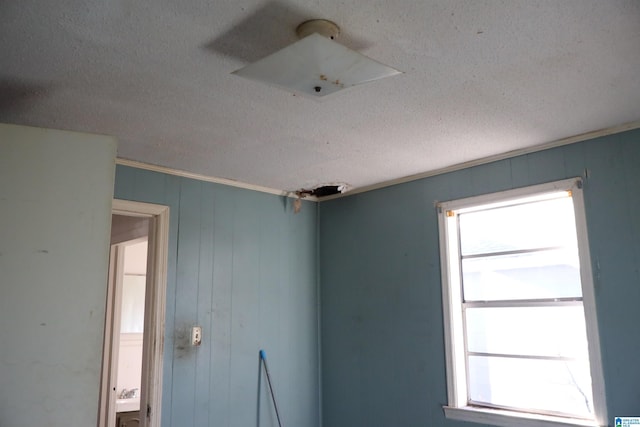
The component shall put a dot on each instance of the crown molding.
(224, 181)
(509, 154)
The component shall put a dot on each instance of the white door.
(56, 189)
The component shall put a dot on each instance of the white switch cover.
(196, 335)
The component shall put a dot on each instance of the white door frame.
(155, 300)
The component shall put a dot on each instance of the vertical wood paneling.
(519, 171)
(244, 309)
(171, 199)
(545, 166)
(149, 186)
(220, 378)
(125, 182)
(239, 266)
(382, 334)
(631, 160)
(574, 160)
(613, 248)
(202, 394)
(271, 232)
(302, 293)
(186, 303)
(496, 175)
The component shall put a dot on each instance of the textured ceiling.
(481, 78)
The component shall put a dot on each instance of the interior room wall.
(54, 248)
(382, 328)
(132, 314)
(124, 228)
(129, 362)
(244, 267)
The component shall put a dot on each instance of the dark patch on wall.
(182, 341)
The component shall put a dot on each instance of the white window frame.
(458, 407)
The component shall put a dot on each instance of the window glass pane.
(536, 385)
(532, 275)
(532, 331)
(542, 224)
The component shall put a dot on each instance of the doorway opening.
(131, 389)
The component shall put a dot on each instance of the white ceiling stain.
(481, 78)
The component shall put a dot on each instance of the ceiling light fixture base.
(323, 27)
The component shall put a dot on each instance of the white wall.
(56, 189)
(129, 362)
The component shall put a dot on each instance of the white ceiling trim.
(200, 177)
(484, 160)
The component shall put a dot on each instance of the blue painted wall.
(244, 267)
(382, 329)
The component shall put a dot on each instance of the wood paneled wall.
(382, 329)
(244, 267)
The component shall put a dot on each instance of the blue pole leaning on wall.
(263, 358)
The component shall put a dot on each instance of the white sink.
(128, 405)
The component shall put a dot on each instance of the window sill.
(512, 419)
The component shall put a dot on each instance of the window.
(521, 333)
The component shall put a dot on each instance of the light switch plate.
(196, 335)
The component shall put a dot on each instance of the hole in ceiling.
(324, 190)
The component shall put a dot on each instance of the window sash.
(523, 356)
(538, 336)
(526, 410)
(548, 408)
(542, 302)
(547, 302)
(513, 252)
(454, 306)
